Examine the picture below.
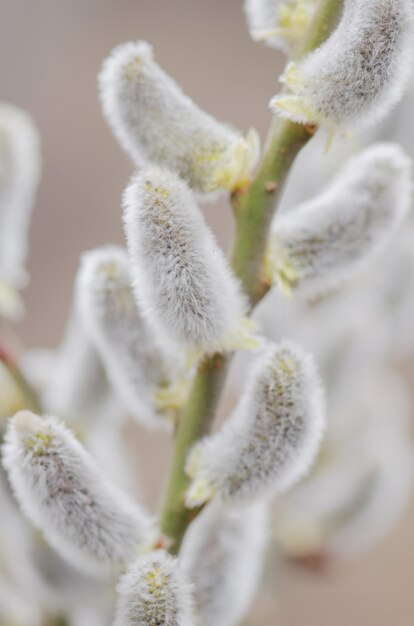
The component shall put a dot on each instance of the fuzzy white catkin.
(279, 23)
(182, 281)
(134, 361)
(88, 521)
(222, 554)
(156, 122)
(154, 591)
(359, 73)
(71, 382)
(325, 241)
(19, 176)
(272, 437)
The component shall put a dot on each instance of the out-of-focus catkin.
(222, 555)
(279, 23)
(139, 370)
(323, 242)
(20, 165)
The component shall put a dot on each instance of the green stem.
(202, 402)
(22, 383)
(326, 18)
(58, 620)
(254, 208)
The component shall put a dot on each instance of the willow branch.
(254, 209)
(195, 422)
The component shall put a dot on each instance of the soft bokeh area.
(50, 53)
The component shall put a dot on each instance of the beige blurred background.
(50, 53)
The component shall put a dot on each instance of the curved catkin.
(325, 241)
(154, 591)
(133, 360)
(222, 555)
(359, 73)
(278, 23)
(272, 437)
(156, 122)
(88, 521)
(182, 281)
(20, 165)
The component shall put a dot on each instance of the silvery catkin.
(82, 515)
(272, 437)
(353, 79)
(325, 241)
(182, 281)
(155, 122)
(134, 361)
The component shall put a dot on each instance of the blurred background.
(50, 53)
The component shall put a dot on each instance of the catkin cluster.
(147, 317)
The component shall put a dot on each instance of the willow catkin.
(82, 516)
(155, 122)
(354, 78)
(272, 437)
(325, 241)
(183, 284)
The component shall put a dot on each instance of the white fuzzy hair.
(154, 591)
(182, 281)
(133, 359)
(271, 439)
(154, 121)
(222, 554)
(88, 521)
(359, 73)
(328, 239)
(20, 165)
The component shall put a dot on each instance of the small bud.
(182, 281)
(154, 591)
(155, 122)
(83, 517)
(134, 362)
(19, 176)
(325, 241)
(272, 437)
(222, 555)
(279, 23)
(358, 74)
